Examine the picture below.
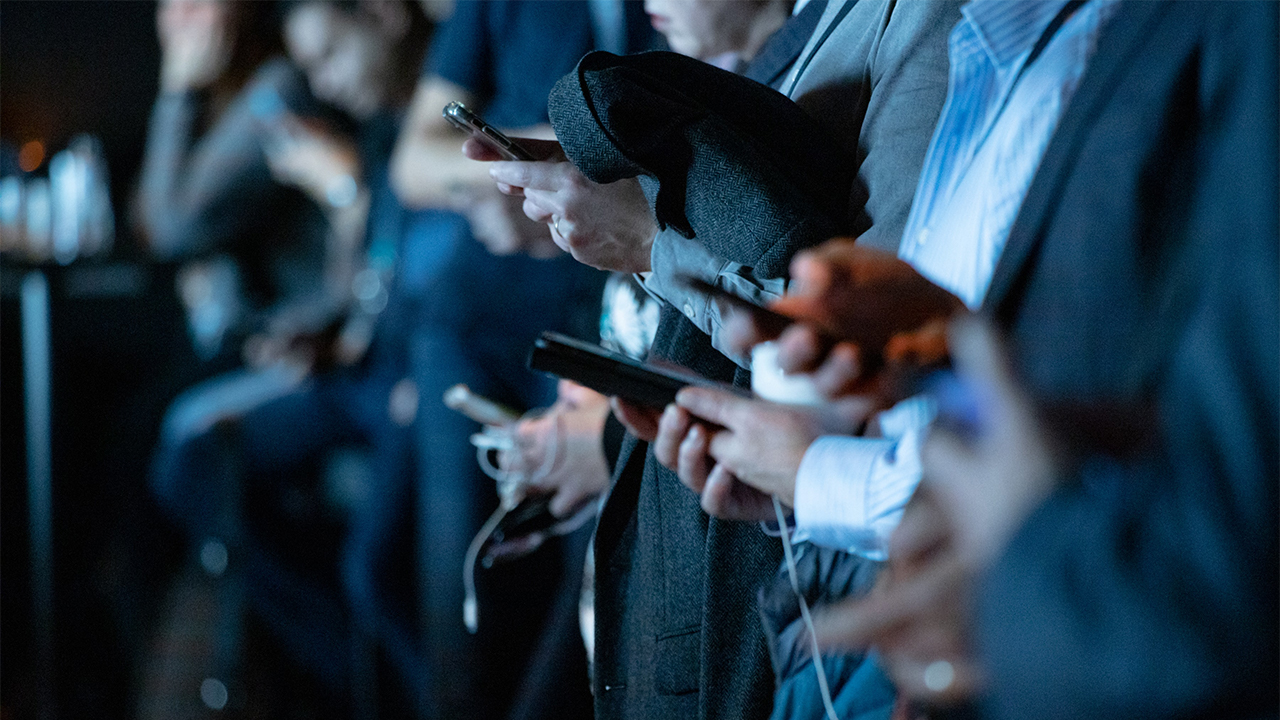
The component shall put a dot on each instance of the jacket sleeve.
(879, 80)
(1147, 586)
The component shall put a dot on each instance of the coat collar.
(1008, 29)
(782, 49)
(1117, 47)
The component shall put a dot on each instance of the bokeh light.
(31, 155)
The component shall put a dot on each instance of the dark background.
(119, 353)
(72, 66)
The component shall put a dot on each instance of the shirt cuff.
(674, 257)
(831, 499)
(850, 491)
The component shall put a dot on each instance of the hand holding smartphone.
(478, 408)
(612, 374)
(460, 117)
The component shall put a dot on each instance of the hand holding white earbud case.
(769, 382)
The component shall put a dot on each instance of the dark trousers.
(239, 461)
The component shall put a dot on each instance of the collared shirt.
(998, 119)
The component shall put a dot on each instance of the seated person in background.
(238, 480)
(501, 59)
(208, 194)
(256, 250)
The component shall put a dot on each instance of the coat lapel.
(782, 49)
(1116, 50)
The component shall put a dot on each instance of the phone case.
(609, 373)
(462, 118)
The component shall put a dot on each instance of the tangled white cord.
(510, 491)
(793, 574)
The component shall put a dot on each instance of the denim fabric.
(478, 323)
(191, 466)
(237, 481)
(862, 690)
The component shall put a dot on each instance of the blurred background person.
(495, 297)
(206, 194)
(246, 479)
(265, 262)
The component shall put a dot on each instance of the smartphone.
(770, 321)
(610, 373)
(477, 407)
(463, 119)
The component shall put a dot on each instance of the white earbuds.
(769, 382)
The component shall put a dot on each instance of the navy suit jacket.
(1140, 293)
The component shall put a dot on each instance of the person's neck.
(765, 24)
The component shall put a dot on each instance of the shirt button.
(923, 236)
(689, 313)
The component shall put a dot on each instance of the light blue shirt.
(999, 117)
(997, 121)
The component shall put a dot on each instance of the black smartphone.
(610, 373)
(463, 119)
(769, 321)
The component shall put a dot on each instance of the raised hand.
(560, 451)
(195, 42)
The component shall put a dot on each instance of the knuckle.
(574, 180)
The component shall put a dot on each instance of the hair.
(255, 30)
(408, 52)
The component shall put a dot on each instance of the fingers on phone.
(476, 150)
(639, 420)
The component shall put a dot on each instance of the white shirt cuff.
(850, 491)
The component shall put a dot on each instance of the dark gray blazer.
(678, 633)
(1140, 290)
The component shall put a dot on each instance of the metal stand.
(37, 391)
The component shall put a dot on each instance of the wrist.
(340, 191)
(644, 254)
